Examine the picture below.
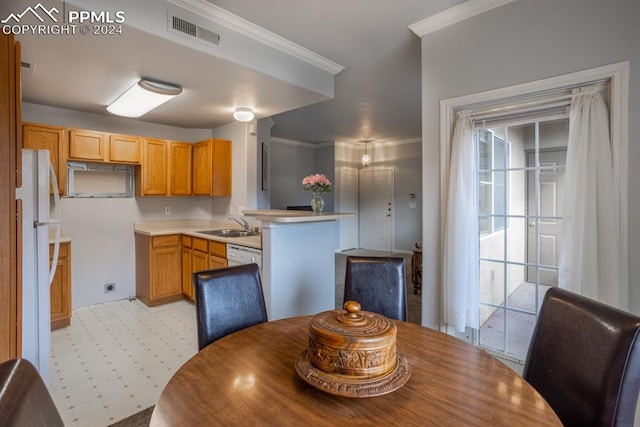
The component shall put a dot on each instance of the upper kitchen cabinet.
(153, 179)
(180, 168)
(124, 149)
(51, 138)
(212, 168)
(103, 147)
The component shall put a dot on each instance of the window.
(493, 161)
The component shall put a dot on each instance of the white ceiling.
(376, 96)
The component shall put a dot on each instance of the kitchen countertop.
(63, 237)
(276, 215)
(191, 228)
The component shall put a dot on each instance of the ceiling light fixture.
(243, 114)
(366, 158)
(143, 97)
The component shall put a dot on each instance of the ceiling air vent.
(184, 27)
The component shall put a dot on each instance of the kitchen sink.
(229, 232)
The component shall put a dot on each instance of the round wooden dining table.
(249, 378)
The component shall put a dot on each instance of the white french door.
(521, 173)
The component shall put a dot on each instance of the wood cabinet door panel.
(41, 137)
(221, 168)
(201, 184)
(217, 262)
(165, 272)
(154, 167)
(200, 244)
(124, 149)
(87, 145)
(200, 261)
(180, 169)
(60, 293)
(218, 249)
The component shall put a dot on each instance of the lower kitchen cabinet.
(198, 255)
(61, 287)
(158, 269)
(217, 255)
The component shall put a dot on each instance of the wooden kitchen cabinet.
(212, 168)
(180, 169)
(61, 287)
(94, 146)
(199, 255)
(153, 179)
(52, 138)
(124, 149)
(87, 145)
(217, 254)
(158, 268)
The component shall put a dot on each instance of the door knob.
(532, 224)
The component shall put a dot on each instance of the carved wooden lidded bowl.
(352, 353)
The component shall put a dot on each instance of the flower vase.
(317, 203)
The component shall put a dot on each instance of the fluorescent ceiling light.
(143, 97)
(243, 114)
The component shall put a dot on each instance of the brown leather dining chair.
(584, 359)
(227, 300)
(378, 284)
(24, 398)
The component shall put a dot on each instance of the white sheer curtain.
(461, 241)
(589, 246)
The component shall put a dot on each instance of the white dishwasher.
(238, 255)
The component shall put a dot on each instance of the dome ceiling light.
(243, 114)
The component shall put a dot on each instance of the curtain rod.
(505, 106)
(560, 102)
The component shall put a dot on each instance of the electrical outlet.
(167, 210)
(109, 287)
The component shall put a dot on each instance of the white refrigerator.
(37, 175)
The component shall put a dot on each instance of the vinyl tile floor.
(115, 359)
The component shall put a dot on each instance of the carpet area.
(139, 419)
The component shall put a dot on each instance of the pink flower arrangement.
(317, 183)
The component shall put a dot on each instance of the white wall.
(244, 171)
(102, 229)
(548, 38)
(291, 161)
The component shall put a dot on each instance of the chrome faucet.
(241, 221)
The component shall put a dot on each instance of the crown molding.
(249, 29)
(454, 15)
(380, 143)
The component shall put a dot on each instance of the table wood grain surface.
(249, 378)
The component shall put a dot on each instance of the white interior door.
(349, 204)
(543, 235)
(376, 209)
